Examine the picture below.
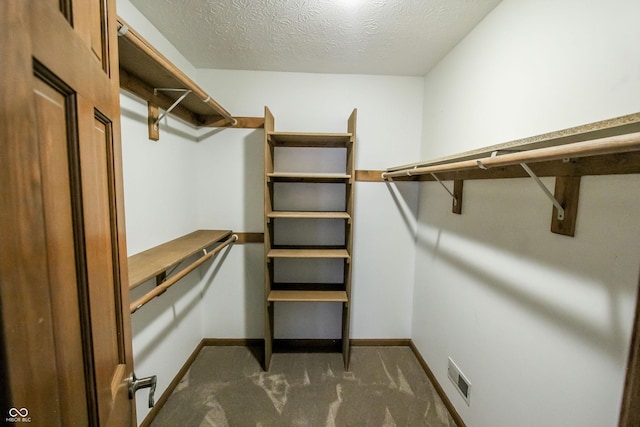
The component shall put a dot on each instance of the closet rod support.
(123, 30)
(174, 105)
(231, 120)
(545, 190)
(481, 165)
(455, 201)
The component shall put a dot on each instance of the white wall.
(213, 178)
(539, 323)
(160, 204)
(388, 132)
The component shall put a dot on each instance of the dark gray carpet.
(227, 387)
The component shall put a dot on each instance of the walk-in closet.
(325, 213)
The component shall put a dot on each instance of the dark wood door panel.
(65, 352)
(86, 72)
(52, 109)
(102, 256)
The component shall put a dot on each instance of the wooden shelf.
(307, 286)
(309, 215)
(308, 177)
(307, 296)
(143, 69)
(606, 128)
(606, 147)
(307, 139)
(157, 260)
(308, 253)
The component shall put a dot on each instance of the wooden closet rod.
(162, 287)
(125, 31)
(609, 145)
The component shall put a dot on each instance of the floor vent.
(459, 380)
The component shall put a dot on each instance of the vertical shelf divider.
(269, 152)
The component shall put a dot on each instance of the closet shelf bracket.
(143, 69)
(455, 201)
(122, 30)
(545, 190)
(174, 105)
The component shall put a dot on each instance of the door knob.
(136, 384)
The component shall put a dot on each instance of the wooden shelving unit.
(314, 291)
(156, 261)
(148, 74)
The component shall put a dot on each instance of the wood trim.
(233, 342)
(242, 122)
(456, 204)
(172, 386)
(152, 117)
(248, 237)
(380, 342)
(445, 399)
(605, 128)
(630, 408)
(567, 193)
(369, 175)
(269, 152)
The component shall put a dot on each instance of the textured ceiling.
(394, 37)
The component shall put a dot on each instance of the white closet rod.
(162, 287)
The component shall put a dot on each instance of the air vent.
(459, 380)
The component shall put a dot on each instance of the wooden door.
(66, 341)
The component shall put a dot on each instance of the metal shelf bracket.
(455, 200)
(174, 105)
(545, 190)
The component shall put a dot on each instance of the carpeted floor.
(226, 386)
